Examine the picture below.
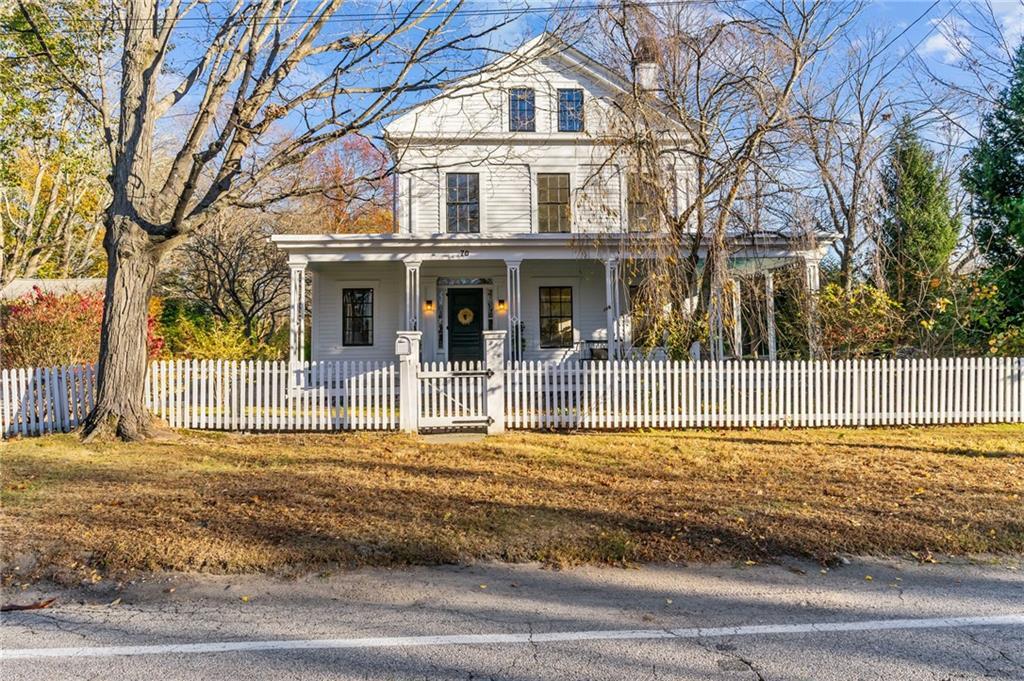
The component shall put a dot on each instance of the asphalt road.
(788, 621)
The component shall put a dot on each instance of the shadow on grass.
(388, 501)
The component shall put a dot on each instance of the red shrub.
(46, 329)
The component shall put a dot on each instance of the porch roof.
(310, 248)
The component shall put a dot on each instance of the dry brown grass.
(226, 503)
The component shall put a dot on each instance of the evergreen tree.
(919, 228)
(994, 176)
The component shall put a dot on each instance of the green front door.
(465, 324)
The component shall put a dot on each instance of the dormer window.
(570, 110)
(521, 110)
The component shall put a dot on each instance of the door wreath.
(465, 316)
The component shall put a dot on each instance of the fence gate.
(453, 394)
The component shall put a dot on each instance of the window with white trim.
(522, 111)
(555, 317)
(357, 317)
(463, 193)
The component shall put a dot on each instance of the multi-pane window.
(570, 110)
(641, 208)
(553, 202)
(357, 316)
(556, 316)
(463, 202)
(521, 110)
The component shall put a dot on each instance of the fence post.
(407, 347)
(494, 362)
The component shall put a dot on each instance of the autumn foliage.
(46, 329)
(358, 194)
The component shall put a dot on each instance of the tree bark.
(120, 407)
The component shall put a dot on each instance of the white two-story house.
(511, 212)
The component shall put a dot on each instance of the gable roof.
(545, 45)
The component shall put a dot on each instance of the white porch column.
(611, 289)
(412, 295)
(512, 280)
(737, 318)
(769, 301)
(716, 325)
(812, 274)
(812, 281)
(297, 313)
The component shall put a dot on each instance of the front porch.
(557, 297)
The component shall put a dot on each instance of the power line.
(199, 21)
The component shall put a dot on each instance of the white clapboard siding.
(670, 394)
(214, 395)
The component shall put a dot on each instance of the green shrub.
(861, 322)
(195, 337)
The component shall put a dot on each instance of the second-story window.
(521, 111)
(553, 202)
(570, 110)
(463, 202)
(641, 204)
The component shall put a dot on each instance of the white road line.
(487, 639)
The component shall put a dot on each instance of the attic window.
(521, 111)
(570, 110)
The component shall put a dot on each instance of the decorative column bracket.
(297, 313)
(812, 281)
(736, 315)
(611, 297)
(769, 299)
(515, 331)
(412, 295)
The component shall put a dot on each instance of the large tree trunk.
(120, 395)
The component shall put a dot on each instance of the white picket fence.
(214, 394)
(667, 394)
(269, 396)
(452, 394)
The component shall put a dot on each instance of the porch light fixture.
(428, 305)
(501, 305)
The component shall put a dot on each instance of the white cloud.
(1011, 19)
(948, 41)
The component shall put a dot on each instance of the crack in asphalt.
(998, 651)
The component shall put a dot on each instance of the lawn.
(287, 503)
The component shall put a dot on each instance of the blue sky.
(917, 28)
